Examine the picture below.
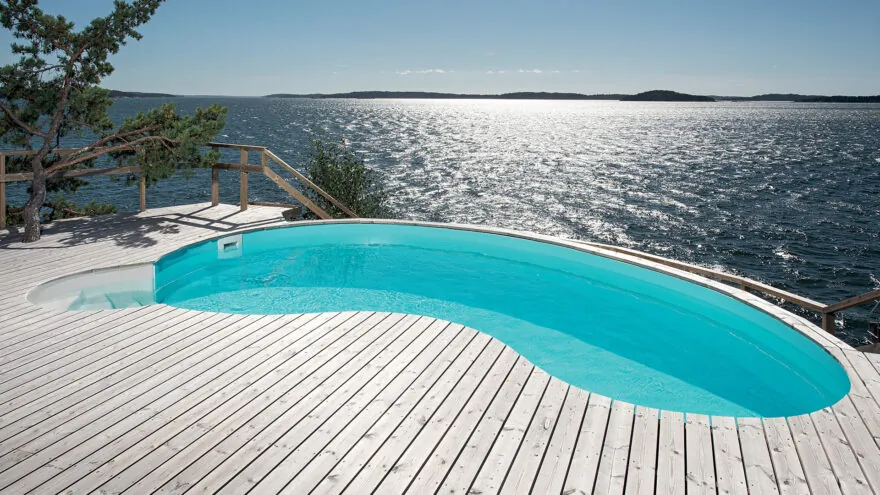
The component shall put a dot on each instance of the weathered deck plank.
(641, 475)
(699, 457)
(670, 454)
(730, 474)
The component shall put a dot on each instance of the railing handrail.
(708, 272)
(243, 167)
(852, 302)
(309, 183)
(828, 311)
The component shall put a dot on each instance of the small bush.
(344, 175)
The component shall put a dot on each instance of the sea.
(784, 193)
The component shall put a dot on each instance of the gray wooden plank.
(860, 438)
(729, 470)
(33, 408)
(756, 457)
(70, 448)
(524, 468)
(76, 355)
(843, 460)
(865, 390)
(551, 475)
(699, 457)
(422, 364)
(388, 373)
(585, 462)
(611, 477)
(642, 471)
(195, 380)
(786, 462)
(219, 382)
(670, 454)
(817, 467)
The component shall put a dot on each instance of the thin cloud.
(421, 71)
(530, 71)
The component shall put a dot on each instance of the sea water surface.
(785, 193)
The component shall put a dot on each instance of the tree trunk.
(35, 203)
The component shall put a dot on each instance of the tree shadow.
(132, 230)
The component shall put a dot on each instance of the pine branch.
(126, 146)
(21, 124)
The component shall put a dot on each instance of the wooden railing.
(827, 311)
(243, 167)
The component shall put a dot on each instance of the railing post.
(215, 183)
(142, 185)
(828, 322)
(243, 188)
(215, 186)
(2, 191)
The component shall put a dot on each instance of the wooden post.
(215, 182)
(243, 189)
(2, 191)
(828, 322)
(215, 186)
(142, 185)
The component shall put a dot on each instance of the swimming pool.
(607, 326)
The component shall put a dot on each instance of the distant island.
(133, 94)
(665, 95)
(654, 95)
(451, 96)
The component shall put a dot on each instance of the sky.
(715, 47)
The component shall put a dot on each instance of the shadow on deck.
(135, 230)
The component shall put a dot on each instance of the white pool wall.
(95, 290)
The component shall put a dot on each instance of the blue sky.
(258, 47)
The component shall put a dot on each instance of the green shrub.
(344, 175)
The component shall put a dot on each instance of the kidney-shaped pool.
(607, 326)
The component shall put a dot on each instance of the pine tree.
(52, 91)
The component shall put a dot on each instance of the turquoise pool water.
(606, 326)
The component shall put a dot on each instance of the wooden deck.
(159, 399)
